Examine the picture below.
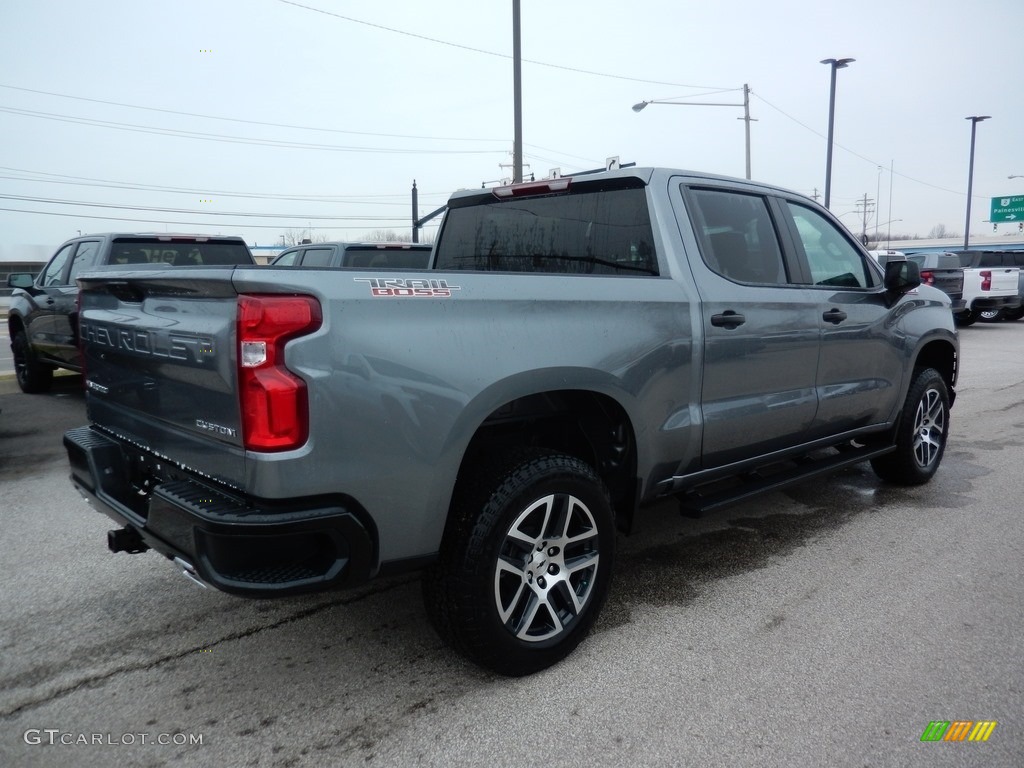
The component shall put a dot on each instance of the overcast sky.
(183, 116)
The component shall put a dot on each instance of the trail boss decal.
(399, 287)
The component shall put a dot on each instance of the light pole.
(1015, 176)
(835, 64)
(975, 119)
(746, 113)
(517, 97)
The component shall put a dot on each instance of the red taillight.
(927, 277)
(275, 407)
(986, 280)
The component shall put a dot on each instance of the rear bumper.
(240, 545)
(1000, 302)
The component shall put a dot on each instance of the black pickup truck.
(43, 318)
(356, 255)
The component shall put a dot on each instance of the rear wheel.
(990, 315)
(922, 432)
(526, 564)
(33, 377)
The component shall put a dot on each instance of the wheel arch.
(589, 422)
(943, 356)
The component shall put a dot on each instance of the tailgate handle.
(835, 316)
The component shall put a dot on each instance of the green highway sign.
(1007, 209)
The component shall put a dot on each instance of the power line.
(216, 225)
(159, 131)
(300, 127)
(52, 201)
(219, 224)
(489, 53)
(249, 122)
(857, 154)
(252, 195)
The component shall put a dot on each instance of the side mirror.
(20, 280)
(902, 276)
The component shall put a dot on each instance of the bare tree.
(940, 231)
(387, 236)
(391, 236)
(292, 237)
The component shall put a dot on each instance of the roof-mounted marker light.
(543, 187)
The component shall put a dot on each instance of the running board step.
(702, 499)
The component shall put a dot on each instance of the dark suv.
(43, 318)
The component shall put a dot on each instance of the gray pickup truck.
(580, 348)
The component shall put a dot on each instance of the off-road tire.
(922, 432)
(33, 377)
(526, 561)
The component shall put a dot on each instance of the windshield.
(179, 253)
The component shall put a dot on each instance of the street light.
(975, 119)
(1015, 176)
(746, 113)
(836, 64)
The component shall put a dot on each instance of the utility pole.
(865, 211)
(815, 196)
(746, 122)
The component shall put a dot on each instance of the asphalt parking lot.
(824, 626)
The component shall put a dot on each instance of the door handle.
(49, 301)
(834, 316)
(728, 319)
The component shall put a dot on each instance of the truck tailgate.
(949, 281)
(161, 365)
(992, 281)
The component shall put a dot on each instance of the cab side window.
(85, 259)
(832, 258)
(317, 257)
(287, 259)
(737, 237)
(53, 274)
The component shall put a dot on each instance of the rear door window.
(317, 257)
(85, 258)
(738, 238)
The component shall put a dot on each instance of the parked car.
(356, 255)
(43, 318)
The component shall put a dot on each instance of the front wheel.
(922, 432)
(526, 563)
(33, 376)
